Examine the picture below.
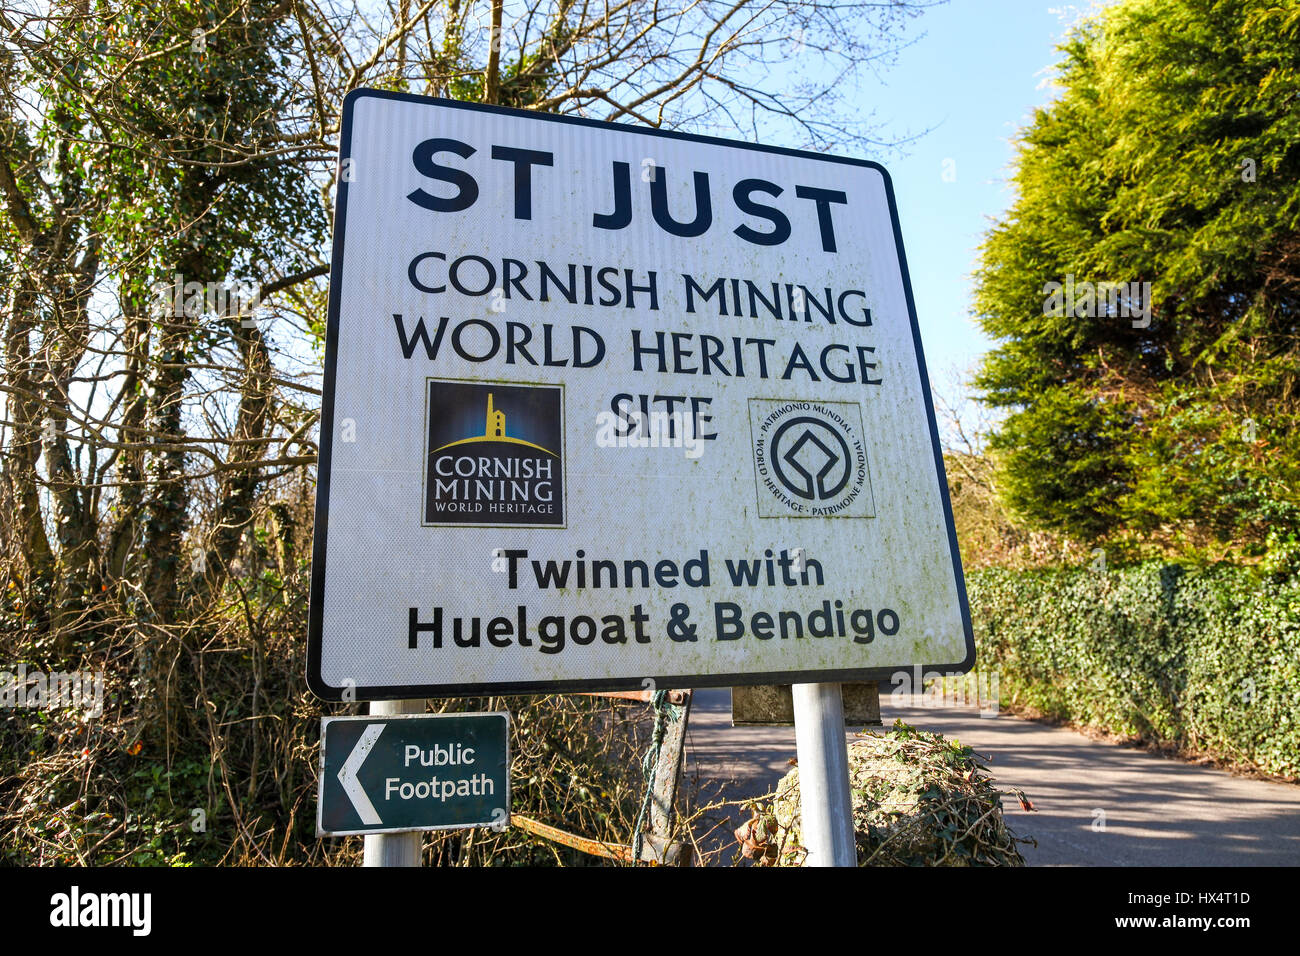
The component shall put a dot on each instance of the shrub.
(919, 799)
(1201, 660)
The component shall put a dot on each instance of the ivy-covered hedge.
(1207, 660)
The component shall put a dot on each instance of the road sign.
(607, 405)
(413, 772)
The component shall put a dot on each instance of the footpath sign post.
(391, 849)
(610, 408)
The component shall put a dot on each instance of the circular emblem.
(810, 459)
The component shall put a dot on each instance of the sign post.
(394, 849)
(609, 408)
(825, 801)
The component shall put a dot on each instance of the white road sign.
(607, 405)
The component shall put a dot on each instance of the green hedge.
(1207, 660)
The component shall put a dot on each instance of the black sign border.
(315, 613)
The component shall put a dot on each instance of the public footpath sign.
(606, 405)
(413, 772)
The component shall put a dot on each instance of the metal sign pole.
(826, 806)
(394, 849)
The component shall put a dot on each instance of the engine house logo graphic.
(810, 459)
(495, 454)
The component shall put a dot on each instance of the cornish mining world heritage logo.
(495, 454)
(810, 459)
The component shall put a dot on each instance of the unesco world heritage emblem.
(810, 459)
(495, 454)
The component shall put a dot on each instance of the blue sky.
(974, 78)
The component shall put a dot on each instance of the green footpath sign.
(413, 772)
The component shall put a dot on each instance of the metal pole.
(663, 797)
(394, 849)
(826, 806)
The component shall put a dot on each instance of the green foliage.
(1185, 428)
(1203, 660)
(1067, 475)
(80, 794)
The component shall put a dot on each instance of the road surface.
(1156, 811)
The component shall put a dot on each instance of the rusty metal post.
(656, 845)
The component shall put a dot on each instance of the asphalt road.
(1158, 811)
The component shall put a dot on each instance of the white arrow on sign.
(348, 775)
